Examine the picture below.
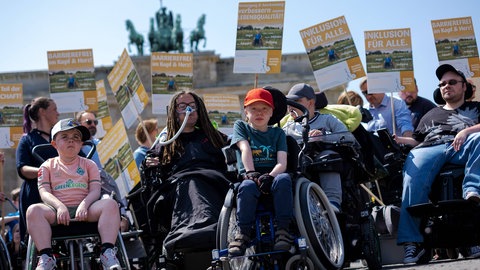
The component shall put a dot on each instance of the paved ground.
(460, 264)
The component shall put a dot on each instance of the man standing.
(446, 134)
(417, 105)
(89, 120)
(381, 109)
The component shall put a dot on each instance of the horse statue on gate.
(177, 34)
(135, 38)
(198, 34)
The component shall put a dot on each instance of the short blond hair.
(150, 125)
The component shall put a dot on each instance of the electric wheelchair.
(76, 246)
(318, 237)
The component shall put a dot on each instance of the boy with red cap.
(263, 164)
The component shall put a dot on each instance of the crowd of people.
(193, 165)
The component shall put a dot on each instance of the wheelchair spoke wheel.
(318, 223)
(371, 244)
(227, 229)
(5, 262)
(297, 263)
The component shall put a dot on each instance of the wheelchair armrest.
(230, 155)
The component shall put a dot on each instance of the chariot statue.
(166, 34)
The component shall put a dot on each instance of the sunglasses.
(89, 122)
(449, 82)
(365, 93)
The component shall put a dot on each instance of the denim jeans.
(422, 166)
(247, 199)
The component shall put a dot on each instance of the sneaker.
(474, 252)
(473, 196)
(109, 259)
(283, 240)
(46, 262)
(239, 245)
(412, 253)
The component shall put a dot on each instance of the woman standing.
(39, 116)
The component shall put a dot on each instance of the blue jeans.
(422, 166)
(247, 199)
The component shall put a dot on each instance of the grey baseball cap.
(301, 90)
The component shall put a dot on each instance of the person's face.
(89, 121)
(454, 89)
(258, 114)
(373, 99)
(16, 234)
(307, 103)
(50, 113)
(181, 103)
(409, 97)
(68, 143)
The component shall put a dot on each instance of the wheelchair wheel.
(5, 262)
(371, 244)
(318, 223)
(227, 224)
(296, 263)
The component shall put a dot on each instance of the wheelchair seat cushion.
(76, 229)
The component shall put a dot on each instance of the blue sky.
(28, 28)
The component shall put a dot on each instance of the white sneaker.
(46, 262)
(109, 259)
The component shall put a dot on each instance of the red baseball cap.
(259, 94)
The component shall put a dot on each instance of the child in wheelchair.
(69, 186)
(320, 124)
(263, 163)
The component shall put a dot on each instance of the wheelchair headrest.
(437, 96)
(320, 101)
(280, 103)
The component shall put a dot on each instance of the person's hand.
(252, 175)
(63, 216)
(124, 224)
(152, 161)
(265, 183)
(316, 132)
(459, 139)
(82, 212)
(2, 197)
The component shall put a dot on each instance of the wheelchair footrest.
(425, 210)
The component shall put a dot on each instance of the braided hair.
(203, 123)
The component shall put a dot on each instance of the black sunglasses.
(450, 82)
(89, 122)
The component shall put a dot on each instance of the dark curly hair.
(173, 125)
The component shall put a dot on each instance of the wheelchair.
(77, 245)
(318, 237)
(448, 221)
(360, 237)
(5, 262)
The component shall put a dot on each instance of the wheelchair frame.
(448, 221)
(70, 238)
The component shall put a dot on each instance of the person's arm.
(281, 165)
(406, 140)
(246, 154)
(29, 172)
(94, 189)
(44, 188)
(403, 119)
(461, 136)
